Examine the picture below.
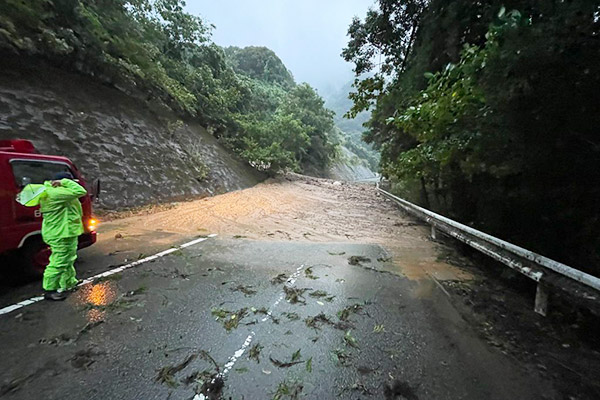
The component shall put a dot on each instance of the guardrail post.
(433, 233)
(541, 299)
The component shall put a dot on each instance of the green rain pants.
(60, 272)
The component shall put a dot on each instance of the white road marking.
(290, 281)
(232, 360)
(33, 300)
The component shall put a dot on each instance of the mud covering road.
(310, 290)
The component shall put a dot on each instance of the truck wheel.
(35, 255)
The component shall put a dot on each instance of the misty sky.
(308, 35)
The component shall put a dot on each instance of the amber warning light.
(92, 224)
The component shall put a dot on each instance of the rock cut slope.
(140, 155)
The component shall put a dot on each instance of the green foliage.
(245, 96)
(259, 63)
(493, 121)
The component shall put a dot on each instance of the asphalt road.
(338, 331)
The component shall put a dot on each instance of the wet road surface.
(279, 319)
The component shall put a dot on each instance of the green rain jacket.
(61, 209)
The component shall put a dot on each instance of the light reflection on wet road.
(95, 297)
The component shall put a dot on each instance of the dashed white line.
(290, 281)
(232, 360)
(33, 300)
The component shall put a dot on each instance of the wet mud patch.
(64, 339)
(83, 359)
(14, 385)
(399, 390)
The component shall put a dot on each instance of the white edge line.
(87, 281)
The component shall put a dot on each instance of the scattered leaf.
(350, 340)
(308, 272)
(292, 316)
(167, 374)
(318, 293)
(279, 279)
(294, 295)
(309, 365)
(296, 355)
(229, 319)
(291, 390)
(262, 310)
(357, 260)
(281, 364)
(219, 313)
(344, 314)
(340, 357)
(247, 290)
(254, 353)
(317, 321)
(140, 290)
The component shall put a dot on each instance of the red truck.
(20, 227)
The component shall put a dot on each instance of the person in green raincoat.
(61, 226)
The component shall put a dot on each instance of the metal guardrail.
(550, 275)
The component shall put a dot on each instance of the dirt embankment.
(140, 155)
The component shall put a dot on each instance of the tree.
(494, 121)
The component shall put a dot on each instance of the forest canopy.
(489, 112)
(246, 97)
